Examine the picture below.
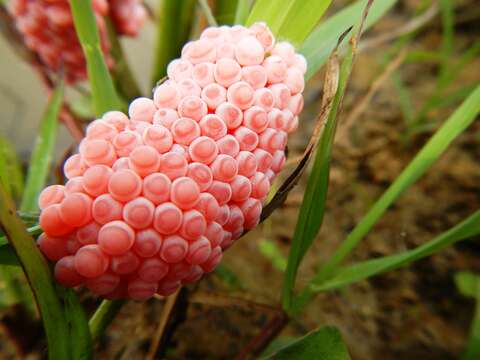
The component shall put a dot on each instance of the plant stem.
(103, 316)
(208, 12)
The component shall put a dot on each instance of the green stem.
(208, 13)
(472, 351)
(103, 316)
(173, 30)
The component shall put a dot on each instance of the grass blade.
(321, 42)
(42, 153)
(301, 19)
(364, 270)
(241, 13)
(312, 209)
(225, 11)
(39, 277)
(173, 30)
(103, 316)
(435, 147)
(324, 343)
(10, 164)
(104, 95)
(271, 12)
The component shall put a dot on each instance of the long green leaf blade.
(320, 43)
(357, 272)
(173, 30)
(433, 149)
(322, 344)
(39, 277)
(301, 19)
(43, 151)
(271, 12)
(104, 95)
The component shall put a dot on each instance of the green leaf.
(42, 154)
(468, 284)
(104, 95)
(39, 277)
(225, 11)
(320, 43)
(271, 251)
(433, 149)
(80, 338)
(10, 164)
(103, 316)
(301, 19)
(357, 272)
(173, 30)
(8, 256)
(243, 9)
(323, 344)
(291, 20)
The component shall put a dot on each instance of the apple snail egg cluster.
(154, 198)
(48, 30)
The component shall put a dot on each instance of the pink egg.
(241, 94)
(98, 152)
(295, 105)
(179, 69)
(116, 118)
(88, 234)
(264, 160)
(195, 275)
(184, 193)
(255, 118)
(74, 166)
(214, 95)
(227, 72)
(213, 260)
(192, 107)
(174, 249)
(278, 161)
(100, 129)
(221, 191)
(260, 185)
(247, 163)
(66, 274)
(230, 114)
(158, 137)
(54, 248)
(264, 98)
(90, 261)
(201, 174)
(76, 209)
(208, 206)
(193, 225)
(214, 232)
(116, 238)
(255, 76)
(213, 126)
(74, 185)
(153, 270)
(294, 80)
(103, 284)
(144, 160)
(281, 94)
(142, 109)
(125, 142)
(167, 218)
(53, 194)
(173, 164)
(138, 213)
(251, 209)
(235, 220)
(165, 117)
(124, 185)
(168, 288)
(223, 216)
(276, 69)
(225, 51)
(156, 188)
(272, 140)
(286, 51)
(241, 188)
(147, 243)
(202, 74)
(249, 51)
(203, 149)
(185, 130)
(96, 179)
(263, 34)
(228, 145)
(141, 290)
(189, 87)
(247, 138)
(224, 168)
(166, 95)
(199, 251)
(300, 63)
(199, 51)
(124, 264)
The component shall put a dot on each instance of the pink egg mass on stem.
(155, 197)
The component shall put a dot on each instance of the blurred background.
(401, 90)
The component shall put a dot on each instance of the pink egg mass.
(48, 30)
(154, 198)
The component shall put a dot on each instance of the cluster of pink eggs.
(48, 30)
(152, 200)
